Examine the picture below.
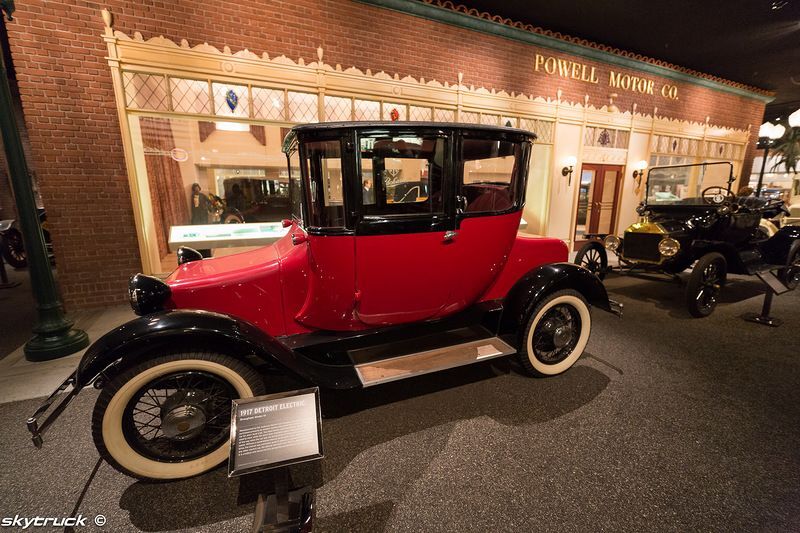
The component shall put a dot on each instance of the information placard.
(275, 430)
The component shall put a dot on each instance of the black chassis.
(326, 359)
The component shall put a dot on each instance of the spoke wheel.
(556, 334)
(179, 416)
(705, 284)
(168, 417)
(594, 258)
(14, 249)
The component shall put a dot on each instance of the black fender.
(529, 290)
(776, 249)
(142, 337)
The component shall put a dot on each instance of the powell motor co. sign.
(566, 68)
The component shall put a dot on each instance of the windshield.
(684, 184)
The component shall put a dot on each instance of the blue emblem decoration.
(231, 99)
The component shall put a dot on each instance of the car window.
(401, 174)
(322, 167)
(490, 174)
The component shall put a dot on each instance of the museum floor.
(667, 423)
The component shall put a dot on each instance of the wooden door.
(597, 201)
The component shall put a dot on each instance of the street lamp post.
(53, 334)
(768, 133)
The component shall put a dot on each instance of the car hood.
(238, 268)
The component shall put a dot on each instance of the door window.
(401, 174)
(322, 166)
(491, 169)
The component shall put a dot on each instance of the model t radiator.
(642, 246)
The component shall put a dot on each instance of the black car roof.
(324, 126)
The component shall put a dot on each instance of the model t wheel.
(593, 257)
(790, 276)
(556, 334)
(169, 417)
(14, 249)
(705, 283)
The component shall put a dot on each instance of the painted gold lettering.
(539, 62)
(593, 78)
(550, 65)
(575, 71)
(563, 68)
(613, 79)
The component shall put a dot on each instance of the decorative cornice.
(447, 12)
(573, 111)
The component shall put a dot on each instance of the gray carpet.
(667, 423)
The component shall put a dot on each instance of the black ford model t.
(690, 217)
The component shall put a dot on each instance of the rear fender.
(546, 279)
(149, 335)
(776, 249)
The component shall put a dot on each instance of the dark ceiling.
(756, 42)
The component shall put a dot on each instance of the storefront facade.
(166, 97)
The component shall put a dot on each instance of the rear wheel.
(169, 417)
(593, 257)
(556, 334)
(705, 283)
(790, 276)
(14, 249)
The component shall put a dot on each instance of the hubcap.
(556, 334)
(179, 416)
(710, 285)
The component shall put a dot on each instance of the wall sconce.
(569, 164)
(639, 172)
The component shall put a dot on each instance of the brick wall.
(74, 134)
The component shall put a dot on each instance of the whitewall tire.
(556, 334)
(185, 419)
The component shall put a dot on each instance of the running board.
(416, 364)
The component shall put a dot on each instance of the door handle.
(449, 235)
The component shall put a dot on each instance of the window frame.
(393, 223)
(345, 148)
(519, 181)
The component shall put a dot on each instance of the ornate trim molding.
(445, 11)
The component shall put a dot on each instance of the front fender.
(546, 279)
(196, 329)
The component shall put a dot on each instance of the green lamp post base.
(52, 344)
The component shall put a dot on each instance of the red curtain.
(170, 200)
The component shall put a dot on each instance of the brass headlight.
(611, 242)
(668, 247)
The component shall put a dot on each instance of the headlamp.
(147, 294)
(611, 242)
(668, 247)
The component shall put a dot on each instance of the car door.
(402, 244)
(490, 180)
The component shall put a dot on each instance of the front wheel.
(705, 284)
(556, 334)
(593, 257)
(169, 417)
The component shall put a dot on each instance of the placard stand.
(283, 510)
(774, 286)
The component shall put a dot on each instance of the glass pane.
(302, 107)
(585, 194)
(268, 104)
(366, 110)
(323, 166)
(393, 111)
(401, 174)
(190, 96)
(145, 91)
(230, 100)
(338, 108)
(205, 173)
(490, 169)
(605, 209)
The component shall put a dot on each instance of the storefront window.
(208, 172)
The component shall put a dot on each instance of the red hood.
(236, 268)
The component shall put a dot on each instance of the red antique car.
(402, 258)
